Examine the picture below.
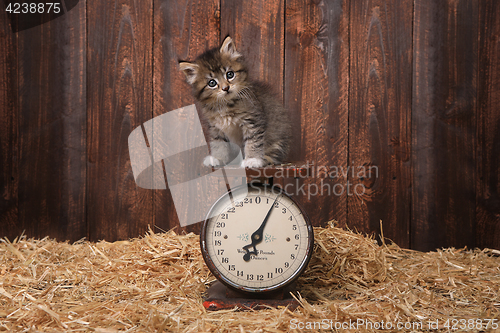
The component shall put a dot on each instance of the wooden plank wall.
(408, 90)
(44, 106)
(379, 113)
(119, 53)
(488, 127)
(9, 137)
(444, 122)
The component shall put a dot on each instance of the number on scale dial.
(257, 241)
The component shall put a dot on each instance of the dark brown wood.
(407, 88)
(316, 95)
(52, 127)
(182, 31)
(488, 129)
(9, 108)
(379, 118)
(444, 123)
(257, 28)
(119, 78)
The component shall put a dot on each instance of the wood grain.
(408, 88)
(182, 30)
(444, 123)
(257, 28)
(119, 99)
(9, 108)
(488, 127)
(379, 118)
(52, 127)
(316, 95)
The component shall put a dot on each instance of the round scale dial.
(256, 239)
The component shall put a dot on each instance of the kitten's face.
(217, 76)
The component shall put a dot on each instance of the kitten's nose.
(225, 88)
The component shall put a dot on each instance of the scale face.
(256, 242)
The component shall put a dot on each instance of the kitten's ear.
(190, 70)
(229, 48)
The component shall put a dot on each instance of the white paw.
(210, 161)
(253, 163)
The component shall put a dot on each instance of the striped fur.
(237, 109)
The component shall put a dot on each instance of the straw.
(156, 283)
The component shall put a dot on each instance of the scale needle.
(257, 235)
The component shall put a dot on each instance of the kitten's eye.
(230, 75)
(212, 83)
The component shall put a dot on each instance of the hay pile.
(156, 283)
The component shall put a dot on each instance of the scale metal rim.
(248, 290)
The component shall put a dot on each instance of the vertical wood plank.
(444, 123)
(9, 108)
(119, 99)
(182, 30)
(488, 130)
(380, 118)
(257, 28)
(52, 127)
(316, 97)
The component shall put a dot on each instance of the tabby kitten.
(238, 111)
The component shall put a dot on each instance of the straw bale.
(156, 284)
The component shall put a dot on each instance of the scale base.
(220, 297)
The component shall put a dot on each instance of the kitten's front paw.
(211, 161)
(253, 163)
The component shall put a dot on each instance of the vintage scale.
(256, 241)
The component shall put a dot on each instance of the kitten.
(238, 111)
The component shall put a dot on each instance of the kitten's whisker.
(242, 94)
(248, 95)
